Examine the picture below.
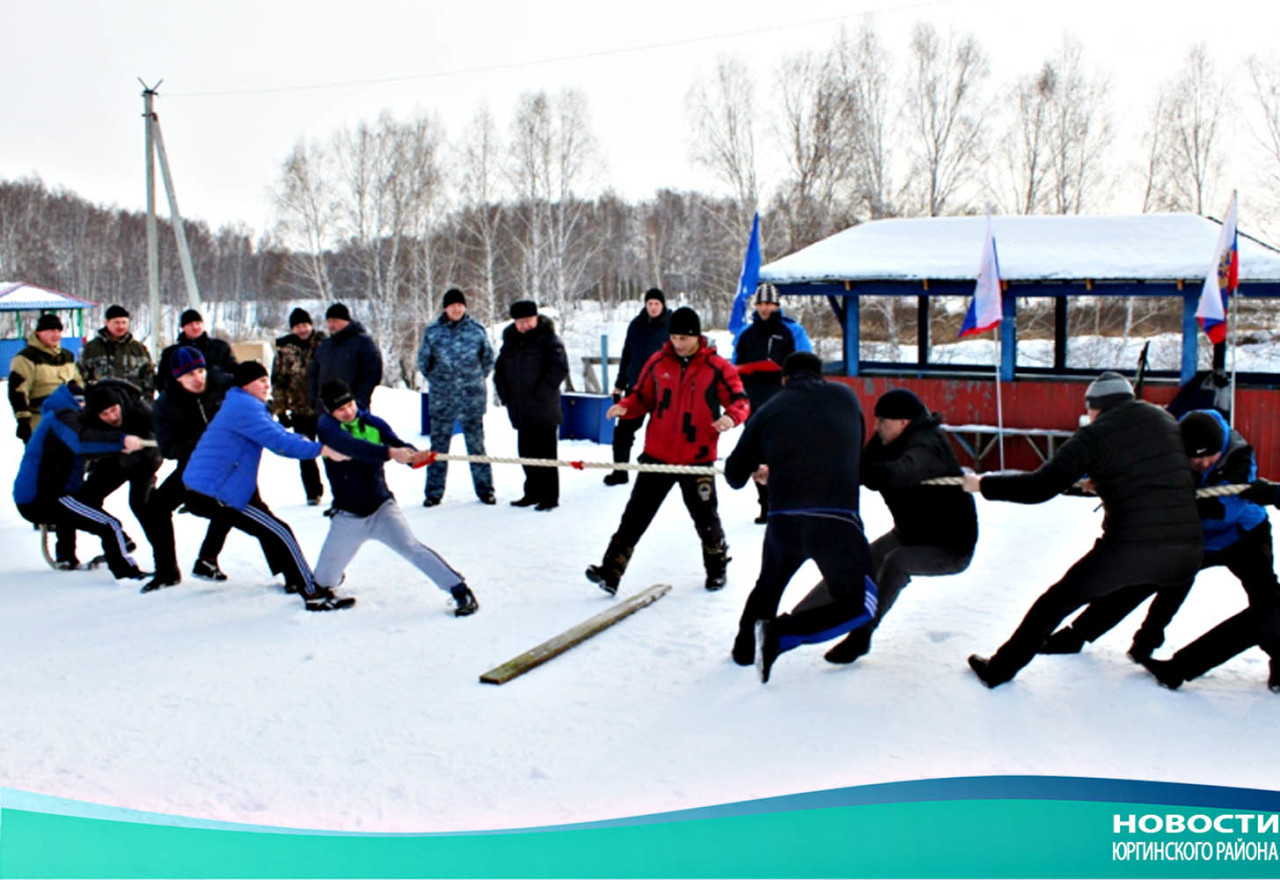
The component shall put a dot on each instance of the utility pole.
(155, 144)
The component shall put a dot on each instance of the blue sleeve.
(85, 442)
(257, 425)
(800, 337)
(331, 434)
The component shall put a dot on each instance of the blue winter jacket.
(53, 462)
(1237, 465)
(359, 485)
(456, 358)
(225, 463)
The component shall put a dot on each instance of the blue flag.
(747, 281)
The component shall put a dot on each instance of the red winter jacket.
(684, 400)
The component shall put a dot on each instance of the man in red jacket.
(692, 396)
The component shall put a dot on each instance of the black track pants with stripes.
(70, 514)
(279, 545)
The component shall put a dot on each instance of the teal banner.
(979, 827)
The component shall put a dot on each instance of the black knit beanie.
(299, 316)
(338, 311)
(1202, 434)
(524, 308)
(655, 293)
(246, 372)
(451, 296)
(685, 322)
(900, 403)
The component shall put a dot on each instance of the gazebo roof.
(18, 296)
(1146, 247)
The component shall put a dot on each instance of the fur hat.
(766, 293)
(1107, 390)
(900, 403)
(1202, 434)
(802, 362)
(685, 322)
(246, 372)
(48, 322)
(116, 311)
(524, 308)
(186, 359)
(338, 311)
(335, 393)
(190, 316)
(451, 296)
(299, 316)
(655, 293)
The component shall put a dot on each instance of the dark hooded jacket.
(934, 516)
(350, 355)
(181, 417)
(645, 336)
(1132, 452)
(219, 362)
(528, 373)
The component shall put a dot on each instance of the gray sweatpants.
(348, 532)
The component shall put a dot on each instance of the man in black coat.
(934, 529)
(527, 375)
(1132, 453)
(219, 361)
(349, 354)
(805, 443)
(645, 335)
(186, 406)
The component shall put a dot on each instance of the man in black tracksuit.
(806, 443)
(187, 404)
(934, 527)
(645, 336)
(109, 473)
(1132, 454)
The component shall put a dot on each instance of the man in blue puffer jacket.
(456, 357)
(222, 476)
(1237, 535)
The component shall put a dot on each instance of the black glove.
(286, 420)
(24, 430)
(1262, 492)
(617, 395)
(1210, 508)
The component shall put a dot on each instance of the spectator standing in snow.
(115, 354)
(37, 371)
(805, 442)
(218, 359)
(934, 529)
(1237, 535)
(290, 396)
(349, 354)
(222, 479)
(51, 475)
(364, 508)
(183, 411)
(645, 336)
(456, 357)
(759, 350)
(1132, 453)
(527, 375)
(692, 396)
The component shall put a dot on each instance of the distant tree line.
(391, 212)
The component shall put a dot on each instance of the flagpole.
(999, 401)
(1232, 341)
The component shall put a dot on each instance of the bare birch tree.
(481, 206)
(1266, 92)
(721, 114)
(945, 110)
(1186, 126)
(307, 208)
(864, 69)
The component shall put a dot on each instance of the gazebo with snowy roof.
(1053, 268)
(26, 302)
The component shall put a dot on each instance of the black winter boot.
(1165, 671)
(608, 574)
(744, 648)
(988, 673)
(716, 560)
(1273, 683)
(617, 478)
(855, 644)
(465, 601)
(1064, 641)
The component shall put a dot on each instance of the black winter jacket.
(220, 363)
(1133, 454)
(181, 418)
(528, 373)
(934, 516)
(350, 355)
(810, 436)
(645, 337)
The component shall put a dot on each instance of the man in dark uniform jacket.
(349, 354)
(806, 443)
(645, 337)
(1132, 453)
(934, 527)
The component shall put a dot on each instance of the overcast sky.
(243, 81)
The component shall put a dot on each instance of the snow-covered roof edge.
(18, 296)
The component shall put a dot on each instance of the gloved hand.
(1210, 508)
(24, 430)
(1262, 492)
(617, 395)
(285, 419)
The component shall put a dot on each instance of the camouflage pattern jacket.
(104, 357)
(289, 392)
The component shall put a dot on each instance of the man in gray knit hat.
(1133, 456)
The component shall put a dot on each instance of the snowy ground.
(228, 701)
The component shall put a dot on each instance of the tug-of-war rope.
(1208, 492)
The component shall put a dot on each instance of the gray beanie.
(1107, 390)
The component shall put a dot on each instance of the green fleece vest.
(361, 431)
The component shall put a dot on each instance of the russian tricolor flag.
(1221, 281)
(985, 310)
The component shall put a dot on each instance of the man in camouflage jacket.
(290, 394)
(115, 354)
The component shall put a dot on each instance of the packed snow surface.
(228, 701)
